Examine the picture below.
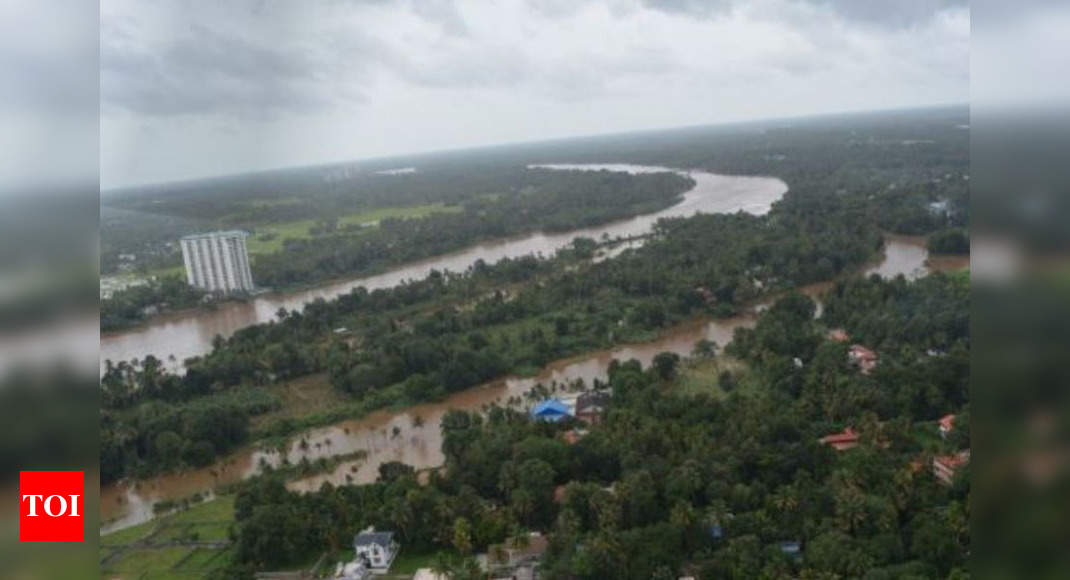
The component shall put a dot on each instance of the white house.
(355, 570)
(377, 549)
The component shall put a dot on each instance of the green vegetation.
(723, 439)
(645, 486)
(415, 342)
(184, 545)
(949, 241)
(547, 200)
(715, 377)
(136, 303)
(291, 249)
(167, 431)
(409, 560)
(270, 238)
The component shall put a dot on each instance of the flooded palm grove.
(357, 447)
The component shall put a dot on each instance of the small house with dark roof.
(516, 558)
(590, 406)
(376, 549)
(552, 410)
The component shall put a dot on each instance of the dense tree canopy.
(645, 489)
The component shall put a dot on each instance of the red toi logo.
(51, 506)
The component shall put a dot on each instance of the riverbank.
(184, 336)
(388, 431)
(389, 257)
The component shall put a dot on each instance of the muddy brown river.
(185, 334)
(412, 435)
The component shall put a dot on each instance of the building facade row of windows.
(218, 263)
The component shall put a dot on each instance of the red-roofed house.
(839, 335)
(945, 466)
(864, 358)
(947, 423)
(841, 441)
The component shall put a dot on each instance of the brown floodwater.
(184, 334)
(412, 435)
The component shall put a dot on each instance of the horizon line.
(460, 149)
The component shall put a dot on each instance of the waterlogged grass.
(270, 238)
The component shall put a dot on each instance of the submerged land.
(725, 437)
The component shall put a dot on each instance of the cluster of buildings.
(218, 262)
(587, 407)
(943, 467)
(109, 285)
(374, 553)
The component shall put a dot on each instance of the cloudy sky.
(199, 88)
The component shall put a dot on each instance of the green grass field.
(147, 551)
(697, 377)
(409, 561)
(256, 244)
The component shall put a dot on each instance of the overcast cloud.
(191, 89)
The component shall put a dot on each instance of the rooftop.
(839, 335)
(594, 401)
(953, 462)
(862, 352)
(847, 436)
(222, 234)
(550, 408)
(369, 538)
(947, 422)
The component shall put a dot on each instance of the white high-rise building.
(218, 261)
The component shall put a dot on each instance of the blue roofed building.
(552, 410)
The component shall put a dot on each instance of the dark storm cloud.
(208, 72)
(225, 65)
(200, 88)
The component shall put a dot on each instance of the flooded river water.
(186, 334)
(412, 435)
